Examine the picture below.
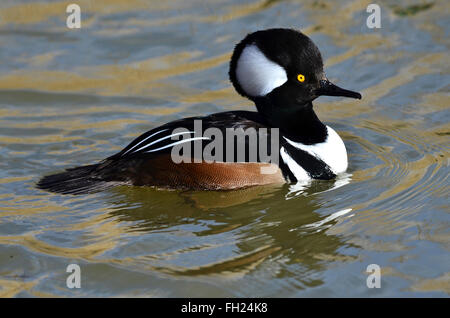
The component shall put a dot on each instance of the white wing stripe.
(163, 138)
(140, 142)
(178, 142)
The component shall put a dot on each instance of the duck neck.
(298, 122)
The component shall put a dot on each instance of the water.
(73, 97)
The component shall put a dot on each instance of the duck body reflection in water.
(256, 223)
(281, 71)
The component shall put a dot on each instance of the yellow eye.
(301, 78)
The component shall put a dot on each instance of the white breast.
(332, 151)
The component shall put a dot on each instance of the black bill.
(327, 88)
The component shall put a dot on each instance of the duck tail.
(79, 180)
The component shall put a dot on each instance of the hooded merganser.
(281, 71)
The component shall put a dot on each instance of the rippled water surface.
(73, 97)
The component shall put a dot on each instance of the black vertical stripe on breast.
(315, 167)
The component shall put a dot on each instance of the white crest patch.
(256, 74)
(332, 151)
